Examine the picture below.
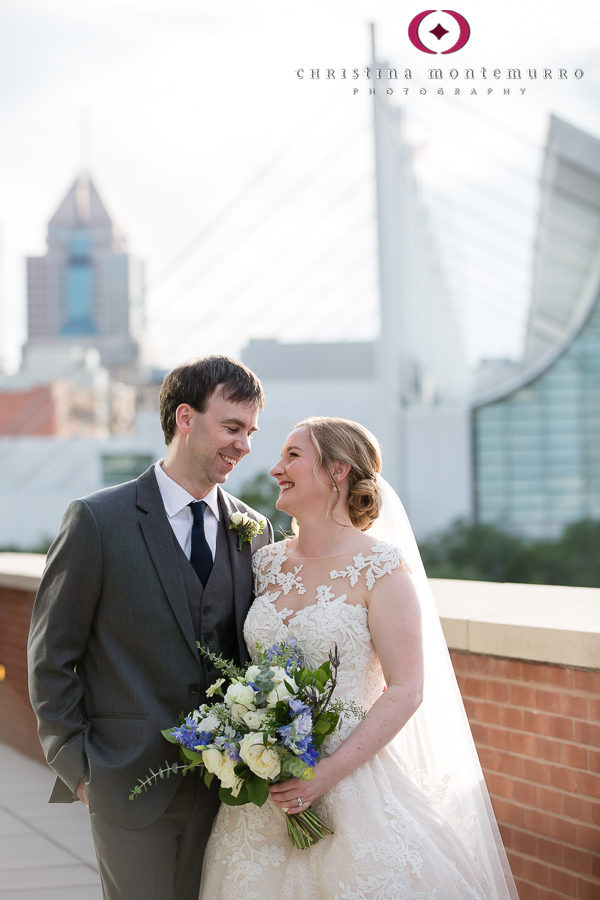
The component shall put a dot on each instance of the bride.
(402, 788)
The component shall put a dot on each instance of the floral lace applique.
(383, 559)
(289, 580)
(266, 567)
(324, 593)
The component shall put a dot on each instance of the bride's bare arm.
(395, 626)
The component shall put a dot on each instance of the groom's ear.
(183, 417)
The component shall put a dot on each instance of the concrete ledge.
(559, 625)
(22, 571)
(542, 623)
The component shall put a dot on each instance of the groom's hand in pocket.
(81, 793)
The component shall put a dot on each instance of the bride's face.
(299, 487)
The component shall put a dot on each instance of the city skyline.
(246, 188)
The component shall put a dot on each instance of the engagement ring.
(300, 801)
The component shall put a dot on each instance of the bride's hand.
(286, 793)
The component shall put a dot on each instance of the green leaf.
(318, 740)
(281, 713)
(296, 768)
(193, 756)
(324, 671)
(304, 677)
(326, 723)
(258, 791)
(227, 797)
(166, 733)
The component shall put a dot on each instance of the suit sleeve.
(270, 531)
(62, 617)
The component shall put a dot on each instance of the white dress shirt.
(177, 501)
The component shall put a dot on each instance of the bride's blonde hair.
(351, 443)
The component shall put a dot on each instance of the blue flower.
(296, 736)
(288, 734)
(297, 706)
(310, 755)
(232, 751)
(303, 723)
(287, 655)
(188, 737)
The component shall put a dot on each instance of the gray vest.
(212, 607)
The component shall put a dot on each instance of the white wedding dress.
(389, 841)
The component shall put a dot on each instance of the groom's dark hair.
(196, 382)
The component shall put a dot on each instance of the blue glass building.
(536, 439)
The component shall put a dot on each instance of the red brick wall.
(537, 730)
(17, 722)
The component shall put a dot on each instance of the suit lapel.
(159, 539)
(241, 567)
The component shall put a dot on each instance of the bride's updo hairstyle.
(348, 441)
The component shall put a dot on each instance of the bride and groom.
(113, 658)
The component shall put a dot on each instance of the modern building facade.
(536, 439)
(87, 290)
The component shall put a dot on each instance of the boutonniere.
(245, 528)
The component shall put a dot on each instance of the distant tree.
(487, 553)
(262, 492)
(475, 552)
(41, 546)
(572, 559)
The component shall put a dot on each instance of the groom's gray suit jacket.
(112, 646)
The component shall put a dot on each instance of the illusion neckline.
(351, 553)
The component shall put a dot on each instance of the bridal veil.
(436, 747)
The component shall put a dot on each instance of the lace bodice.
(319, 603)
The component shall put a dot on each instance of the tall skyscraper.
(87, 290)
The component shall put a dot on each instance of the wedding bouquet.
(269, 726)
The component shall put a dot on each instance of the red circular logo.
(439, 31)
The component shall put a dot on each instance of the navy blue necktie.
(200, 557)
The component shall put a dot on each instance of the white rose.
(237, 518)
(228, 778)
(245, 519)
(279, 674)
(210, 723)
(238, 712)
(252, 672)
(213, 760)
(254, 718)
(238, 693)
(281, 692)
(261, 760)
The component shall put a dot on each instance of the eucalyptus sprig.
(226, 666)
(152, 778)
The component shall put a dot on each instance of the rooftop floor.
(46, 850)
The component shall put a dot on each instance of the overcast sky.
(249, 192)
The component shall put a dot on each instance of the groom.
(112, 647)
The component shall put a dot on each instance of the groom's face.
(217, 439)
